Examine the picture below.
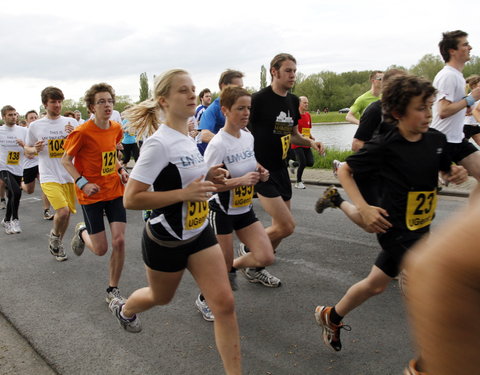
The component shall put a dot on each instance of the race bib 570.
(197, 212)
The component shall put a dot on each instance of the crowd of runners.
(199, 167)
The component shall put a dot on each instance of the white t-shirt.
(170, 160)
(11, 154)
(451, 86)
(470, 120)
(53, 133)
(115, 116)
(239, 159)
(30, 163)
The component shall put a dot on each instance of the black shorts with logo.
(226, 224)
(30, 174)
(93, 214)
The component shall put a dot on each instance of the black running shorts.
(174, 259)
(93, 214)
(226, 224)
(278, 185)
(394, 247)
(30, 174)
(459, 151)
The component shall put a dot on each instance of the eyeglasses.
(378, 78)
(103, 101)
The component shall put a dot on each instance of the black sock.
(110, 288)
(202, 298)
(80, 234)
(258, 269)
(334, 317)
(337, 200)
(232, 270)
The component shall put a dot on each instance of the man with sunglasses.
(366, 98)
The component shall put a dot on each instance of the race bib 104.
(55, 148)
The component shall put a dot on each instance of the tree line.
(324, 89)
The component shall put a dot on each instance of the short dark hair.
(203, 92)
(51, 92)
(31, 111)
(6, 109)
(392, 73)
(399, 91)
(95, 89)
(228, 76)
(230, 95)
(450, 41)
(277, 61)
(69, 114)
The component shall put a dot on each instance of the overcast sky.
(73, 45)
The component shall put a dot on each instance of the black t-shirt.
(272, 119)
(408, 174)
(371, 123)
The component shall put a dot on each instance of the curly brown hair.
(399, 91)
(95, 89)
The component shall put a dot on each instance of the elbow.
(127, 202)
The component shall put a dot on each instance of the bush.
(325, 162)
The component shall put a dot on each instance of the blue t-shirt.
(128, 138)
(213, 120)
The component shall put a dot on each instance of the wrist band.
(81, 182)
(470, 101)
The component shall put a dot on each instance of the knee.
(223, 304)
(62, 214)
(160, 299)
(118, 243)
(286, 228)
(266, 258)
(29, 189)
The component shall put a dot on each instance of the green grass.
(325, 162)
(328, 117)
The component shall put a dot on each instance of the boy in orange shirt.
(91, 159)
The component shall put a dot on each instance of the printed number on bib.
(242, 196)
(55, 148)
(197, 212)
(306, 132)
(285, 145)
(109, 159)
(421, 207)
(13, 157)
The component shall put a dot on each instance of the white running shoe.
(300, 185)
(15, 226)
(204, 309)
(8, 227)
(130, 325)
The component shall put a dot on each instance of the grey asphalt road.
(59, 308)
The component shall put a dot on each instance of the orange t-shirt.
(95, 155)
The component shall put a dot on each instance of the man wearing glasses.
(91, 159)
(46, 137)
(366, 98)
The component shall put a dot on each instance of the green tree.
(144, 91)
(263, 77)
(472, 67)
(428, 66)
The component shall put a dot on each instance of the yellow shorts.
(60, 195)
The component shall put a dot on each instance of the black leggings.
(304, 158)
(129, 150)
(14, 193)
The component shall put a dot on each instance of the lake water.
(336, 135)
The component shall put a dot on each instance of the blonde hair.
(473, 81)
(144, 118)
